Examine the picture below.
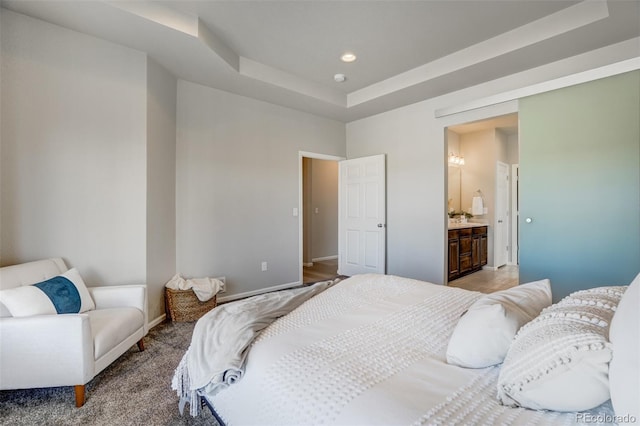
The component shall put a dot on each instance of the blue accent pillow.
(64, 294)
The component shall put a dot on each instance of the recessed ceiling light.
(339, 78)
(348, 57)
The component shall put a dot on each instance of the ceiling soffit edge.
(560, 22)
(544, 28)
(193, 26)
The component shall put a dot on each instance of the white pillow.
(624, 369)
(63, 294)
(484, 333)
(560, 360)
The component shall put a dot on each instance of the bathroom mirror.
(455, 182)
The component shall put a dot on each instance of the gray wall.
(580, 183)
(513, 149)
(89, 167)
(454, 183)
(238, 182)
(320, 209)
(73, 151)
(161, 183)
(324, 209)
(88, 156)
(414, 141)
(86, 162)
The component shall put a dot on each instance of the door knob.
(528, 220)
(380, 225)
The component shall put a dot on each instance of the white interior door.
(362, 216)
(501, 228)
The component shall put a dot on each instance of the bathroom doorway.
(481, 159)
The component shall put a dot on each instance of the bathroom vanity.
(467, 248)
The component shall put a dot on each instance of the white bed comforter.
(221, 338)
(370, 350)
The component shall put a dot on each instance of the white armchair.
(67, 349)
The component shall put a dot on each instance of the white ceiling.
(286, 52)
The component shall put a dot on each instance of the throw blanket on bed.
(221, 340)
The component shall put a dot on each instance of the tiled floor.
(489, 281)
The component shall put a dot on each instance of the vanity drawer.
(465, 232)
(480, 230)
(453, 234)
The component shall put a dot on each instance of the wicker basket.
(184, 305)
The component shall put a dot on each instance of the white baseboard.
(256, 292)
(320, 259)
(157, 321)
(490, 268)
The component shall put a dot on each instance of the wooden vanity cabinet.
(467, 250)
(480, 235)
(454, 254)
(475, 252)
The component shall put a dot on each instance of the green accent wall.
(580, 185)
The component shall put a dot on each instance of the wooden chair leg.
(79, 395)
(140, 345)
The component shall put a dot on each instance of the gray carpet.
(134, 390)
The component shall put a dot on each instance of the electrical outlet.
(224, 284)
(264, 266)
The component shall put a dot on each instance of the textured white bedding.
(370, 350)
(222, 338)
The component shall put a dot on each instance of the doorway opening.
(318, 217)
(482, 157)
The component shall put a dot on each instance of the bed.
(375, 349)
